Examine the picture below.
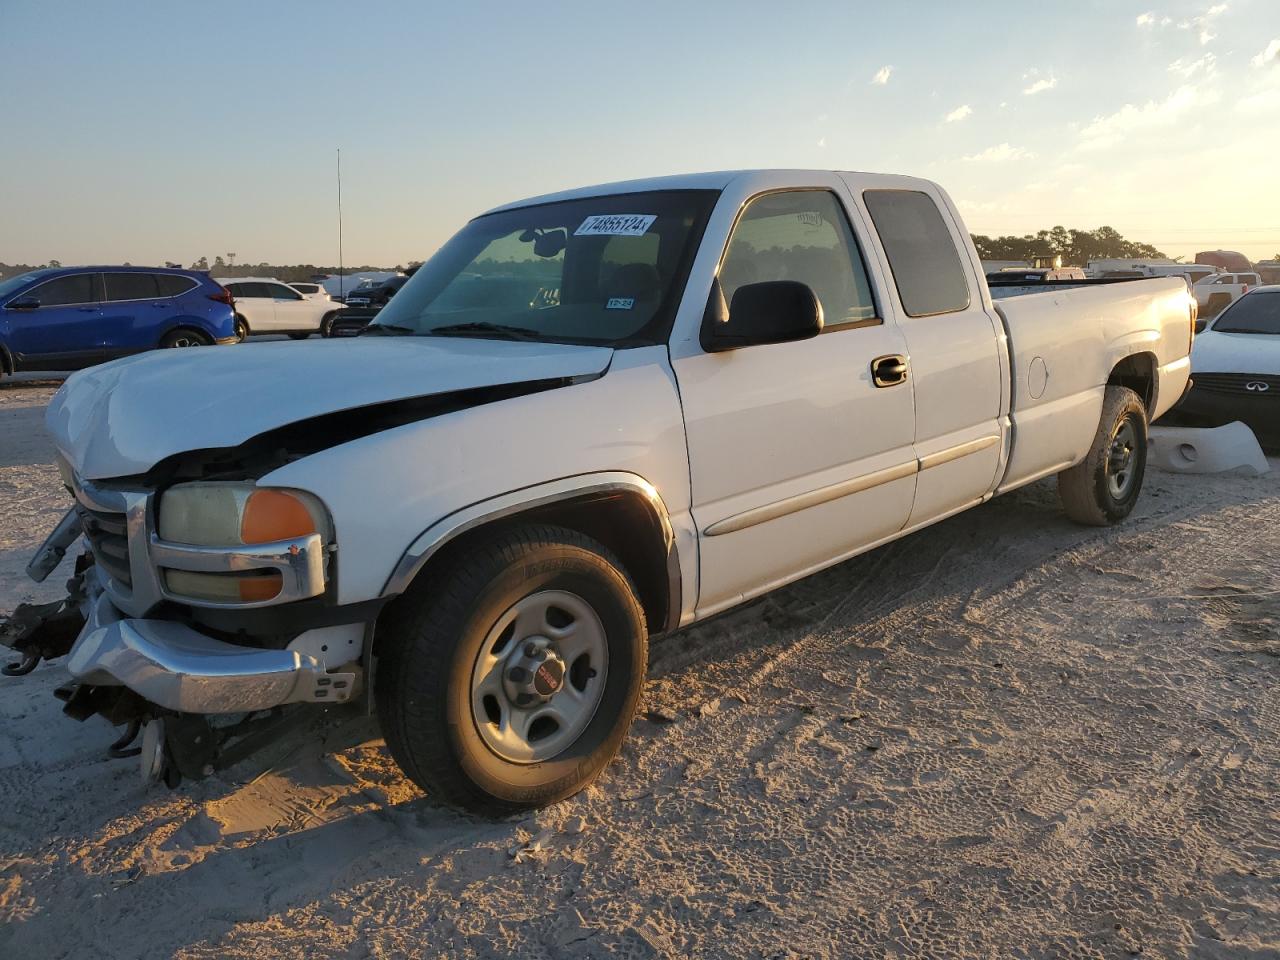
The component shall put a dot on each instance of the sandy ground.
(1003, 737)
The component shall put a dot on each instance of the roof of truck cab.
(717, 180)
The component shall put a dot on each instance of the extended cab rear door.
(797, 455)
(956, 345)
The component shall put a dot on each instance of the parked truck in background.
(590, 418)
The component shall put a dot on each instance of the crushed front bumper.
(181, 669)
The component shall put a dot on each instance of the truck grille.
(1262, 386)
(108, 536)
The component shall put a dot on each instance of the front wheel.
(326, 323)
(242, 329)
(510, 681)
(1104, 487)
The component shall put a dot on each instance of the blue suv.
(65, 318)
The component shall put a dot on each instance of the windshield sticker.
(620, 303)
(616, 225)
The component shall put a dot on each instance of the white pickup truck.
(590, 418)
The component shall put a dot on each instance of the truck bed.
(1063, 344)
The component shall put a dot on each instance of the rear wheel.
(185, 338)
(510, 681)
(1103, 488)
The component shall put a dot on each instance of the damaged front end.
(186, 645)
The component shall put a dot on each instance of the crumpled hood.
(123, 417)
(1235, 353)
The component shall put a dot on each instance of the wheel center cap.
(534, 673)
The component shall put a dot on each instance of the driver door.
(797, 455)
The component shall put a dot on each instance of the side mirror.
(776, 311)
(23, 303)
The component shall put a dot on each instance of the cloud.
(1040, 86)
(1106, 131)
(882, 76)
(1149, 19)
(822, 142)
(1201, 23)
(1000, 154)
(959, 113)
(1270, 55)
(1189, 68)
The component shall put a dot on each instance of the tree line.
(1076, 247)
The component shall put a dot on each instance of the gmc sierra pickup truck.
(590, 418)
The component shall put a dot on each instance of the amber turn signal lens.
(262, 587)
(271, 515)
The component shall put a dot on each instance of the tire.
(326, 324)
(449, 647)
(299, 336)
(242, 329)
(1103, 488)
(183, 337)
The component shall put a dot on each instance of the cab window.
(800, 235)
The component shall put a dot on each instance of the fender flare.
(516, 502)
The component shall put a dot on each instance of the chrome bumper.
(181, 669)
(302, 562)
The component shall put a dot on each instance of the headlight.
(231, 515)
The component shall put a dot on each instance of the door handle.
(889, 371)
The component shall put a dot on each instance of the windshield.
(601, 270)
(1255, 313)
(21, 280)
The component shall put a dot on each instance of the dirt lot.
(1003, 737)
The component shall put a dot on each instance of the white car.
(590, 418)
(312, 291)
(266, 305)
(1235, 368)
(1218, 291)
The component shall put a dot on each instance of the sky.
(146, 132)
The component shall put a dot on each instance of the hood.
(1235, 353)
(121, 418)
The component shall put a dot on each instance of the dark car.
(376, 297)
(66, 318)
(363, 305)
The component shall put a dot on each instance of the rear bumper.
(181, 669)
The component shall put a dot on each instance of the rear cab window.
(922, 253)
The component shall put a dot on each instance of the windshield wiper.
(481, 328)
